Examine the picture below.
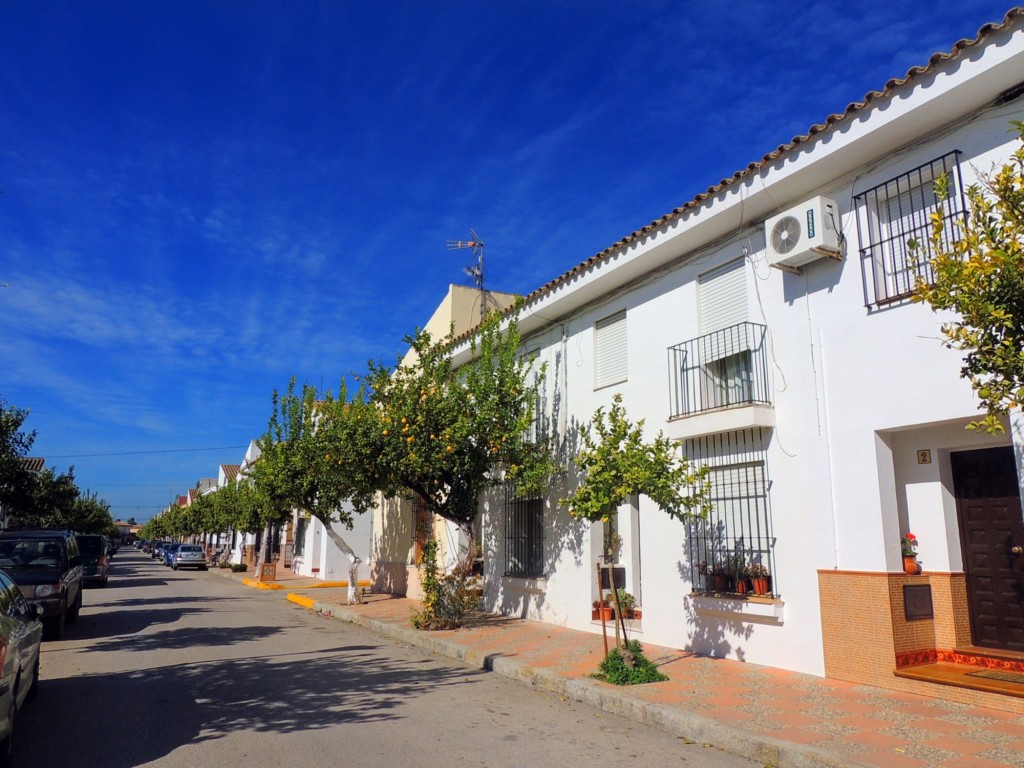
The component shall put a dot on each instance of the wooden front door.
(991, 535)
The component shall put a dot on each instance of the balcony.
(724, 373)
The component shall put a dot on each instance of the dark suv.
(47, 567)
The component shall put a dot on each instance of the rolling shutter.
(723, 297)
(610, 350)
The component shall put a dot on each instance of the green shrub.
(628, 666)
(238, 567)
(447, 600)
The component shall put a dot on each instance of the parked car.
(20, 634)
(47, 567)
(157, 551)
(168, 553)
(95, 558)
(189, 556)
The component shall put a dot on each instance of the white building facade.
(790, 361)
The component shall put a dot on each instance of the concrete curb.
(305, 602)
(681, 723)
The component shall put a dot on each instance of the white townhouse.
(765, 326)
(314, 554)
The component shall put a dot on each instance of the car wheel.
(202, 567)
(33, 690)
(8, 744)
(75, 609)
(53, 627)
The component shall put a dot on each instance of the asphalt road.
(191, 669)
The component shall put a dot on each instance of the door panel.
(989, 511)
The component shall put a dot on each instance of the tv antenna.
(475, 271)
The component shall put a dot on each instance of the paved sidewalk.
(781, 719)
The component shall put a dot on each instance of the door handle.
(1017, 551)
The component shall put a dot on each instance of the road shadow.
(188, 637)
(140, 602)
(111, 623)
(166, 708)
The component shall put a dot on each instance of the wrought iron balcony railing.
(723, 369)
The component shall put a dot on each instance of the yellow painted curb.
(305, 602)
(261, 584)
(333, 585)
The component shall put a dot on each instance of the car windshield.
(44, 553)
(90, 545)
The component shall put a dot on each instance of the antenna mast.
(476, 271)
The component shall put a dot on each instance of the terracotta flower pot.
(762, 585)
(723, 582)
(910, 564)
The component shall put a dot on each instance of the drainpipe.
(823, 429)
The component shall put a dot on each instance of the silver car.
(21, 632)
(189, 556)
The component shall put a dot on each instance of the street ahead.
(192, 669)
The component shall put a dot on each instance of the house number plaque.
(924, 457)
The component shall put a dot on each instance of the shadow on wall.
(524, 596)
(389, 572)
(712, 632)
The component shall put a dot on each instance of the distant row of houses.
(765, 326)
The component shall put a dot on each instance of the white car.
(21, 631)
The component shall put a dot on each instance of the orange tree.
(427, 429)
(447, 434)
(309, 462)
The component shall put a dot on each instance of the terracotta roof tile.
(33, 463)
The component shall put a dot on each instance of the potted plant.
(603, 610)
(626, 602)
(908, 544)
(738, 568)
(721, 576)
(760, 578)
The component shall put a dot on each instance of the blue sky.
(203, 199)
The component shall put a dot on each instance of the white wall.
(323, 559)
(856, 391)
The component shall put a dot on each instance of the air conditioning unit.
(803, 234)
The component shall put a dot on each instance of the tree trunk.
(264, 544)
(353, 558)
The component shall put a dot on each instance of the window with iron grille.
(894, 227)
(735, 542)
(524, 535)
